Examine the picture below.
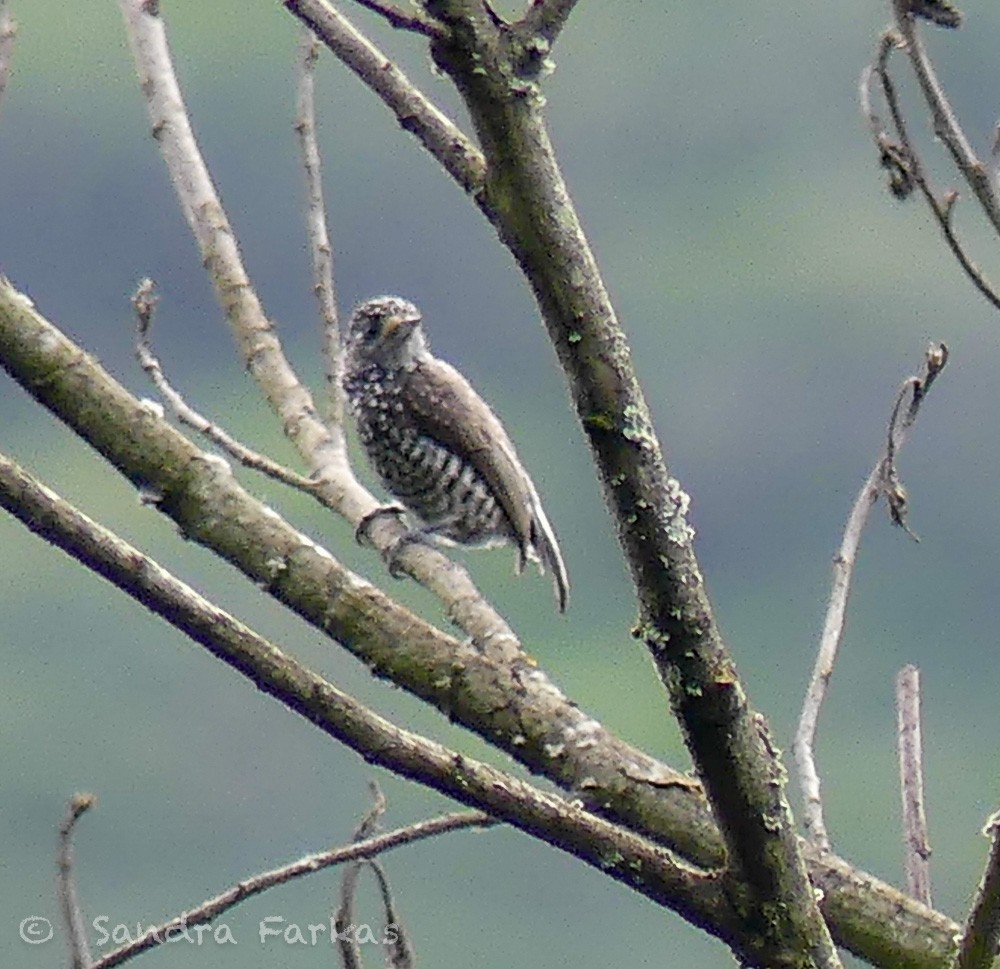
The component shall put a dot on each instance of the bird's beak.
(394, 323)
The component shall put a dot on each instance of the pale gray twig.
(69, 903)
(901, 160)
(882, 481)
(209, 910)
(917, 849)
(317, 231)
(144, 302)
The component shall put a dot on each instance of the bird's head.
(386, 330)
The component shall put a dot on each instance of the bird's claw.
(363, 534)
(391, 556)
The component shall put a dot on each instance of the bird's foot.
(391, 556)
(363, 535)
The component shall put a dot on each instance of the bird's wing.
(447, 409)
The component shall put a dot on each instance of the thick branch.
(620, 853)
(546, 18)
(514, 706)
(528, 202)
(981, 937)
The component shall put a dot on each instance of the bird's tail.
(546, 549)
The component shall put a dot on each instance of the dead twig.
(69, 903)
(917, 849)
(882, 481)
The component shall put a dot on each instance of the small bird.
(436, 444)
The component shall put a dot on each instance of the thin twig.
(981, 936)
(348, 946)
(900, 158)
(946, 125)
(399, 949)
(917, 849)
(883, 480)
(418, 23)
(415, 112)
(317, 229)
(209, 910)
(144, 302)
(8, 32)
(69, 903)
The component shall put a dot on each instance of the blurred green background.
(775, 296)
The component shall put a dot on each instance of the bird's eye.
(373, 326)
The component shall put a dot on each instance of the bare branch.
(981, 936)
(69, 903)
(399, 954)
(209, 910)
(905, 169)
(317, 231)
(546, 18)
(347, 945)
(416, 113)
(917, 849)
(883, 480)
(618, 852)
(257, 340)
(144, 302)
(418, 23)
(946, 125)
(532, 722)
(8, 32)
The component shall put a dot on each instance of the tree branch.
(316, 229)
(904, 165)
(526, 198)
(978, 947)
(618, 852)
(916, 844)
(261, 351)
(402, 21)
(69, 903)
(415, 112)
(513, 705)
(882, 480)
(546, 18)
(946, 125)
(8, 33)
(209, 910)
(144, 303)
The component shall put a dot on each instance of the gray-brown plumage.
(436, 444)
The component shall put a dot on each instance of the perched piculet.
(436, 444)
